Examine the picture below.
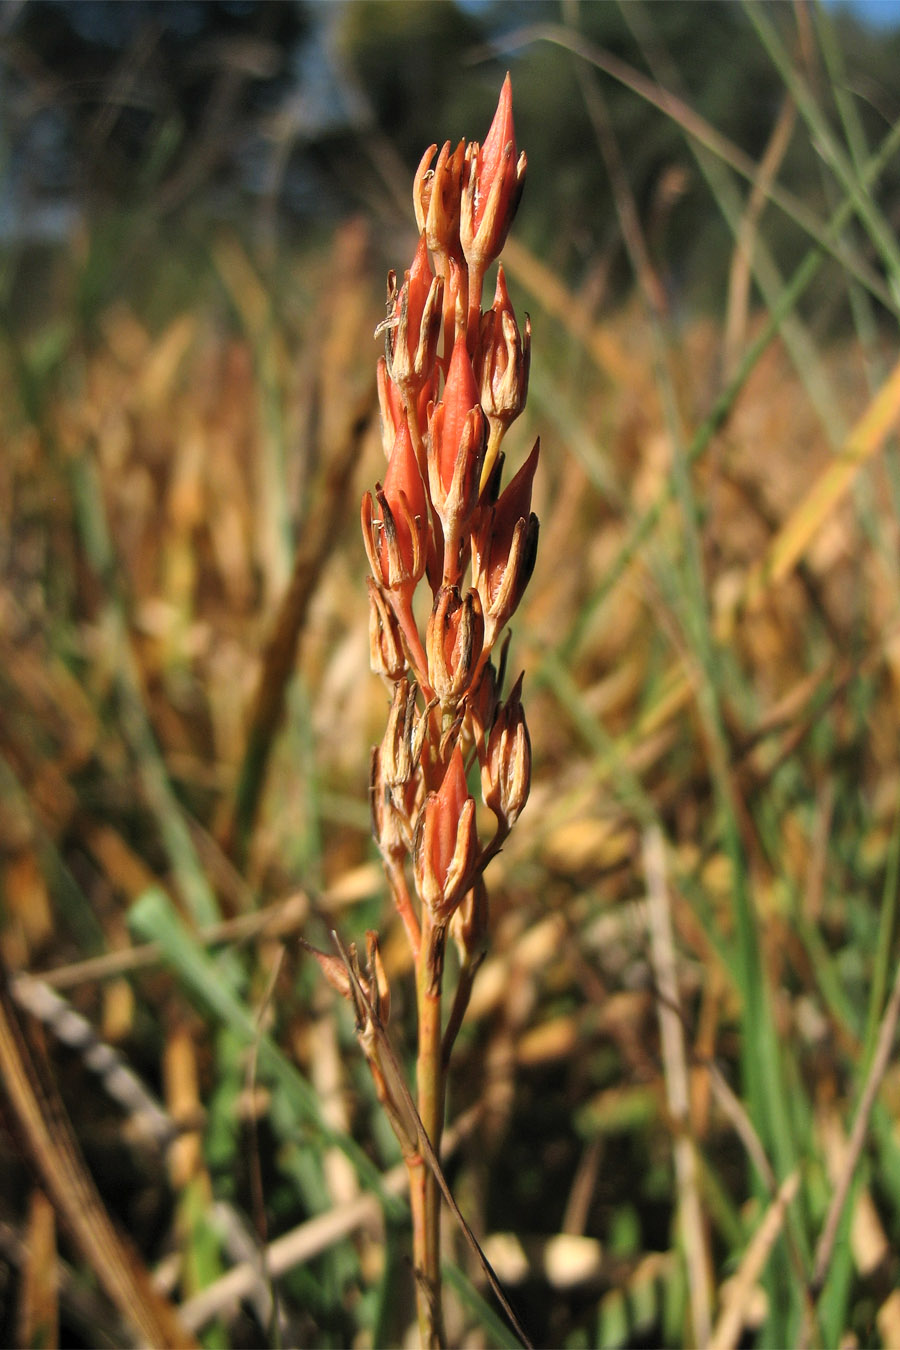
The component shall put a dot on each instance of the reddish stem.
(430, 1093)
(400, 891)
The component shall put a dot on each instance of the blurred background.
(688, 993)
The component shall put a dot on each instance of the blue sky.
(876, 13)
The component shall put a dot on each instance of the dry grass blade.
(888, 1319)
(864, 441)
(38, 1320)
(607, 353)
(47, 1134)
(740, 1290)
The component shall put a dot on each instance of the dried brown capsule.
(396, 536)
(503, 361)
(453, 642)
(504, 548)
(436, 197)
(506, 771)
(386, 654)
(413, 326)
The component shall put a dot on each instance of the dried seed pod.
(506, 771)
(504, 548)
(413, 326)
(436, 197)
(391, 405)
(401, 747)
(502, 363)
(390, 827)
(386, 654)
(396, 537)
(481, 706)
(468, 927)
(456, 300)
(453, 642)
(334, 968)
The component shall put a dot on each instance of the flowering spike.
(451, 382)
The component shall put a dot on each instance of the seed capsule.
(446, 843)
(506, 772)
(453, 642)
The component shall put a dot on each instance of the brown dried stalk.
(451, 382)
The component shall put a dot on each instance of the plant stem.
(404, 906)
(424, 1193)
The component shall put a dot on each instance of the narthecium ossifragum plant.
(451, 382)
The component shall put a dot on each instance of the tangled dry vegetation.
(181, 596)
